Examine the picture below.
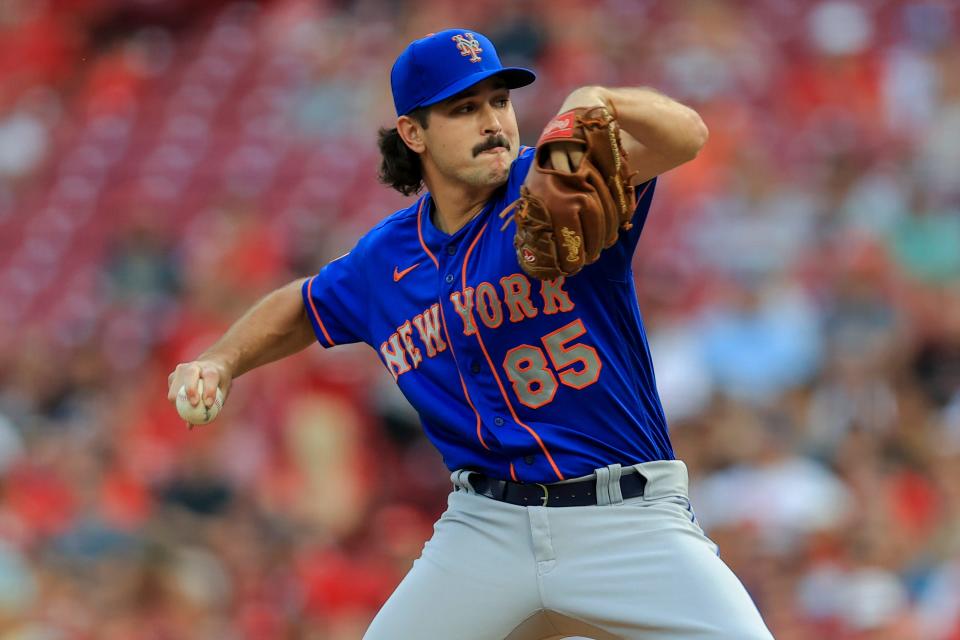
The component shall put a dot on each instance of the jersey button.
(498, 421)
(449, 278)
(529, 459)
(451, 249)
(475, 367)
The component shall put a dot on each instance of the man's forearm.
(659, 123)
(657, 133)
(275, 327)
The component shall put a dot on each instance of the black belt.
(568, 494)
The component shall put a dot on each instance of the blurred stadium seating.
(164, 164)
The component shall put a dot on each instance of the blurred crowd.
(165, 164)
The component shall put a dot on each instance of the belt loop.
(455, 479)
(461, 480)
(603, 486)
(613, 488)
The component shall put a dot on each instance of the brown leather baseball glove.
(566, 218)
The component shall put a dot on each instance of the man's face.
(472, 137)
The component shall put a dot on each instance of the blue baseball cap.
(445, 63)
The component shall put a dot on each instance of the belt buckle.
(546, 494)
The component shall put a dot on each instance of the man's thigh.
(475, 579)
(645, 570)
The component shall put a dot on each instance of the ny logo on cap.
(468, 45)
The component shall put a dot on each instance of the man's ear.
(411, 133)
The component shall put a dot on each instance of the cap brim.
(515, 76)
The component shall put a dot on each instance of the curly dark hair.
(400, 167)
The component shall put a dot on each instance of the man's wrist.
(224, 362)
(606, 97)
(586, 97)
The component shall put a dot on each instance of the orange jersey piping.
(503, 392)
(420, 234)
(463, 384)
(315, 314)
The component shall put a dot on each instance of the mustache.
(491, 143)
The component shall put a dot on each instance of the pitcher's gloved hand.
(566, 215)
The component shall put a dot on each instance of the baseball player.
(569, 512)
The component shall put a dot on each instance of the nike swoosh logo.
(399, 274)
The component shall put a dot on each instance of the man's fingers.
(558, 158)
(211, 380)
(576, 155)
(173, 383)
(190, 377)
(565, 156)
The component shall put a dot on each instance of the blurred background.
(164, 163)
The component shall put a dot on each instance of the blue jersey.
(513, 377)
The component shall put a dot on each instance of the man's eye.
(502, 102)
(467, 108)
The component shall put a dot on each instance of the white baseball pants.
(636, 569)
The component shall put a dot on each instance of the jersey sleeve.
(334, 302)
(644, 200)
(617, 259)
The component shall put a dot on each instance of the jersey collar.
(435, 240)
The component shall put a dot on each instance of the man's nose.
(491, 122)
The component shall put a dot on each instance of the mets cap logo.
(468, 45)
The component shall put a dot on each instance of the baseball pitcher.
(502, 302)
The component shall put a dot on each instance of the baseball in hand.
(200, 414)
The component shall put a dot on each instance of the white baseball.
(200, 414)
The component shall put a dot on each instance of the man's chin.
(499, 178)
(500, 168)
(492, 175)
